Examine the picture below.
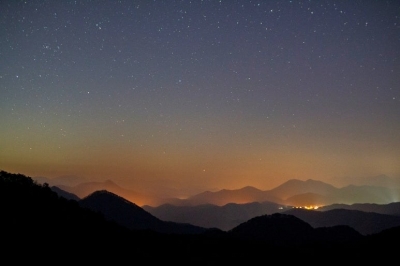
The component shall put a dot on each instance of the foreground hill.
(35, 220)
(288, 230)
(128, 214)
(39, 226)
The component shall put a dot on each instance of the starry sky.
(201, 94)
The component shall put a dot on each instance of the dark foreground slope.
(38, 226)
(128, 214)
(287, 230)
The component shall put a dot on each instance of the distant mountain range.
(366, 223)
(65, 194)
(390, 208)
(105, 226)
(220, 210)
(294, 192)
(65, 180)
(376, 181)
(223, 217)
(298, 193)
(365, 218)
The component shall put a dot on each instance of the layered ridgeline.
(365, 218)
(297, 193)
(36, 223)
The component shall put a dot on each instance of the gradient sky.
(194, 95)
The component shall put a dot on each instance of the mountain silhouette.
(65, 194)
(296, 193)
(276, 228)
(293, 192)
(65, 180)
(36, 221)
(39, 225)
(364, 222)
(295, 187)
(377, 181)
(223, 217)
(368, 218)
(225, 196)
(287, 230)
(128, 214)
(84, 189)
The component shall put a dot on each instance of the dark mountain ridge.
(84, 189)
(225, 196)
(65, 194)
(366, 223)
(223, 217)
(288, 230)
(390, 208)
(296, 193)
(231, 215)
(294, 187)
(293, 192)
(128, 214)
(37, 223)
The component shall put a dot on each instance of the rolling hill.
(41, 226)
(129, 215)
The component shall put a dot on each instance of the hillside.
(129, 215)
(40, 225)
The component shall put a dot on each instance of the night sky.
(195, 95)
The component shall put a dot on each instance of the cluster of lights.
(307, 207)
(304, 207)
